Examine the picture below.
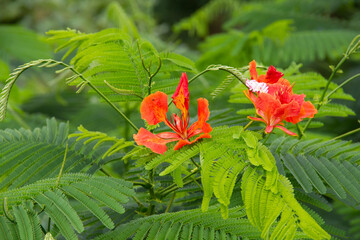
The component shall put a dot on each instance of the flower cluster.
(154, 109)
(275, 101)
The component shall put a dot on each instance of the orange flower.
(276, 102)
(154, 109)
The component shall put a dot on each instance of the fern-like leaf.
(263, 207)
(324, 165)
(53, 197)
(191, 224)
(100, 138)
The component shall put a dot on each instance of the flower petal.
(168, 135)
(307, 110)
(181, 95)
(184, 142)
(266, 105)
(272, 75)
(181, 143)
(286, 130)
(252, 69)
(257, 119)
(205, 135)
(250, 95)
(201, 126)
(255, 86)
(152, 141)
(154, 108)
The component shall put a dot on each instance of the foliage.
(93, 182)
(281, 32)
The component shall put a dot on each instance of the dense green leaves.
(327, 166)
(192, 224)
(55, 200)
(121, 68)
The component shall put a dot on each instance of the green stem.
(198, 75)
(342, 84)
(353, 46)
(101, 94)
(104, 172)
(148, 70)
(151, 191)
(139, 203)
(325, 90)
(49, 225)
(175, 185)
(113, 106)
(193, 161)
(266, 138)
(164, 193)
(62, 166)
(170, 203)
(248, 125)
(299, 130)
(143, 184)
(346, 134)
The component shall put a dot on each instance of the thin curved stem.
(174, 185)
(352, 48)
(299, 130)
(62, 166)
(101, 95)
(342, 84)
(213, 68)
(346, 134)
(266, 138)
(170, 203)
(248, 125)
(193, 161)
(148, 70)
(174, 188)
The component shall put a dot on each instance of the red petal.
(287, 110)
(307, 110)
(152, 141)
(205, 135)
(257, 119)
(181, 143)
(272, 75)
(181, 95)
(286, 130)
(168, 135)
(250, 95)
(252, 69)
(282, 92)
(203, 116)
(268, 129)
(284, 81)
(184, 142)
(266, 105)
(203, 110)
(154, 108)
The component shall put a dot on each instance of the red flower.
(154, 108)
(278, 103)
(272, 75)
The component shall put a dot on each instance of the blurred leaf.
(25, 45)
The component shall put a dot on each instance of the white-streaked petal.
(256, 86)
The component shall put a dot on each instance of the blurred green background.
(231, 32)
